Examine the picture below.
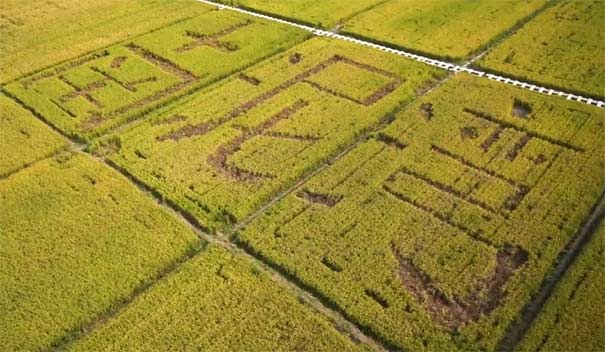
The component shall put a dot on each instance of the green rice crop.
(37, 33)
(572, 318)
(88, 95)
(325, 14)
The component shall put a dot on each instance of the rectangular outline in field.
(427, 60)
(90, 120)
(202, 128)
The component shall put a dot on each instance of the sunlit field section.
(563, 47)
(434, 234)
(76, 238)
(218, 302)
(221, 154)
(23, 139)
(451, 29)
(38, 33)
(90, 94)
(572, 319)
(325, 14)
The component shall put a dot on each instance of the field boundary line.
(95, 50)
(120, 304)
(563, 262)
(339, 321)
(321, 305)
(456, 68)
(25, 166)
(346, 19)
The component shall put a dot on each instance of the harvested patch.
(328, 200)
(493, 138)
(377, 298)
(212, 40)
(484, 299)
(426, 109)
(295, 58)
(468, 133)
(391, 141)
(253, 81)
(540, 159)
(117, 61)
(161, 62)
(173, 119)
(331, 264)
(521, 109)
(521, 143)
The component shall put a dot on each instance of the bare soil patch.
(328, 200)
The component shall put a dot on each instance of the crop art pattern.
(221, 154)
(88, 95)
(433, 233)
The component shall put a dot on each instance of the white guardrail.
(438, 63)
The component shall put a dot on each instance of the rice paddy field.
(562, 47)
(302, 175)
(452, 29)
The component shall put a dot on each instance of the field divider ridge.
(563, 262)
(122, 303)
(456, 68)
(340, 322)
(228, 241)
(350, 328)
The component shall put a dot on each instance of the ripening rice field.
(573, 316)
(98, 91)
(453, 29)
(39, 33)
(324, 14)
(218, 302)
(221, 157)
(562, 47)
(255, 175)
(434, 232)
(24, 138)
(77, 239)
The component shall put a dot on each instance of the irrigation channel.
(427, 60)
